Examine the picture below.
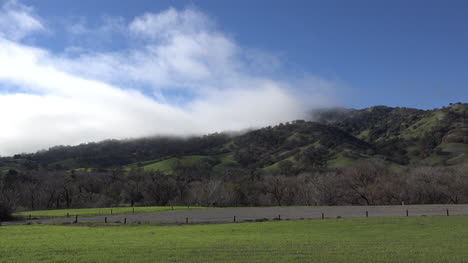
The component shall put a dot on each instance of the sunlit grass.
(103, 211)
(406, 239)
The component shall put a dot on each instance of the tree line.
(363, 183)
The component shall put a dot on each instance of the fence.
(261, 214)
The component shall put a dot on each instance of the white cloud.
(171, 22)
(87, 95)
(17, 20)
(82, 36)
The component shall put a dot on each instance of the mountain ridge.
(336, 138)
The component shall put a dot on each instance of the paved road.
(226, 215)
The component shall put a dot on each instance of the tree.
(5, 212)
(307, 191)
(314, 157)
(159, 188)
(330, 189)
(362, 180)
(212, 193)
(281, 189)
(5, 207)
(134, 187)
(430, 185)
(286, 167)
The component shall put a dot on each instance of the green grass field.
(103, 211)
(407, 239)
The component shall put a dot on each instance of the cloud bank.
(177, 74)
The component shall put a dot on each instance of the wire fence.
(238, 215)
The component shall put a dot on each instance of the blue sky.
(397, 53)
(79, 71)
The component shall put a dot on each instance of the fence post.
(186, 220)
(76, 219)
(234, 219)
(367, 213)
(323, 216)
(105, 219)
(279, 217)
(447, 212)
(406, 212)
(125, 221)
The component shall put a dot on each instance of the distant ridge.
(337, 137)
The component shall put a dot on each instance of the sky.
(78, 71)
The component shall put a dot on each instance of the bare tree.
(330, 188)
(362, 179)
(281, 189)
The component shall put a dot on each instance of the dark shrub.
(5, 212)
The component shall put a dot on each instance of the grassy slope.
(275, 166)
(340, 161)
(103, 211)
(226, 161)
(458, 152)
(424, 125)
(413, 239)
(166, 165)
(452, 154)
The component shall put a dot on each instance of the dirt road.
(226, 215)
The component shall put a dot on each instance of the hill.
(374, 156)
(337, 138)
(405, 135)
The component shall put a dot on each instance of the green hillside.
(166, 165)
(337, 138)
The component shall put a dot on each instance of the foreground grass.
(406, 239)
(103, 211)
